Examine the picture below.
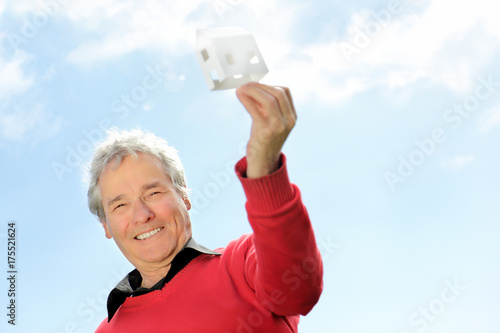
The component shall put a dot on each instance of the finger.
(284, 97)
(258, 101)
(250, 104)
(276, 92)
(290, 100)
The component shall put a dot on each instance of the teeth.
(148, 234)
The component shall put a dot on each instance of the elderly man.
(260, 282)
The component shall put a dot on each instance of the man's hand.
(273, 117)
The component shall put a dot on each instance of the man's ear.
(106, 230)
(187, 202)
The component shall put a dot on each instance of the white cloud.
(121, 27)
(491, 119)
(13, 80)
(3, 4)
(19, 123)
(127, 26)
(442, 41)
(30, 126)
(20, 7)
(457, 163)
(448, 44)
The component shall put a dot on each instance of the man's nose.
(142, 212)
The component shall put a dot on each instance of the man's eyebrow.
(115, 199)
(152, 185)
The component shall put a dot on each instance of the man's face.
(145, 215)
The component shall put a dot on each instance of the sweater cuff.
(268, 193)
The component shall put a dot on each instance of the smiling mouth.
(149, 234)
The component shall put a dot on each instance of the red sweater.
(260, 283)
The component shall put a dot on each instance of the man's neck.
(152, 275)
(149, 279)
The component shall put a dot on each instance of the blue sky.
(394, 150)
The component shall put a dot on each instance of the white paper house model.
(229, 57)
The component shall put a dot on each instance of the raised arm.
(283, 266)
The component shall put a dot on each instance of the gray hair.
(120, 143)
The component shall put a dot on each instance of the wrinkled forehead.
(131, 168)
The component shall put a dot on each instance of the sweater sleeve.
(284, 265)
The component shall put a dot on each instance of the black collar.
(130, 285)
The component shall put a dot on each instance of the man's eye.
(154, 193)
(118, 206)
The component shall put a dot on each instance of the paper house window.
(204, 54)
(229, 57)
